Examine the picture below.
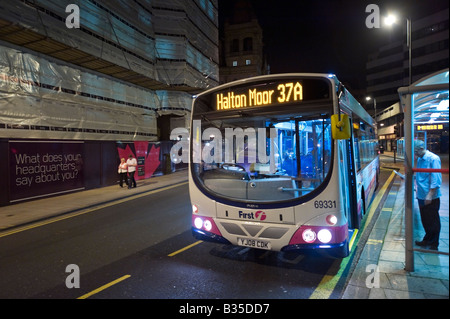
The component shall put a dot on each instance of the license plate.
(254, 243)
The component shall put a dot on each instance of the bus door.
(348, 179)
(344, 177)
(352, 152)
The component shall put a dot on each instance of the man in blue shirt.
(428, 190)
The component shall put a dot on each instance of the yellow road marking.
(89, 210)
(374, 241)
(93, 292)
(185, 248)
(330, 280)
(352, 240)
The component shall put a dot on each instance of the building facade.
(89, 81)
(388, 68)
(390, 127)
(242, 47)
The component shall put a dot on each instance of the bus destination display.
(251, 97)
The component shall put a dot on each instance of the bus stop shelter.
(424, 102)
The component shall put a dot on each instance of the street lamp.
(368, 98)
(392, 19)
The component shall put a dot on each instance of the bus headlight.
(198, 223)
(203, 223)
(309, 235)
(324, 235)
(208, 225)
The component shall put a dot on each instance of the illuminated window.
(248, 62)
(234, 63)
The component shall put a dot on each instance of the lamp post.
(392, 19)
(368, 98)
(409, 160)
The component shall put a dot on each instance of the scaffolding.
(128, 63)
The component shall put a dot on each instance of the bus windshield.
(261, 155)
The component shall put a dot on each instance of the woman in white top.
(123, 170)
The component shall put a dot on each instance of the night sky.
(327, 36)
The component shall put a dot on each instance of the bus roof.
(265, 77)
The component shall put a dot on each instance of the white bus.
(281, 162)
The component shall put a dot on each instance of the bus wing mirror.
(340, 127)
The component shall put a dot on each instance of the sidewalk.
(27, 212)
(385, 249)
